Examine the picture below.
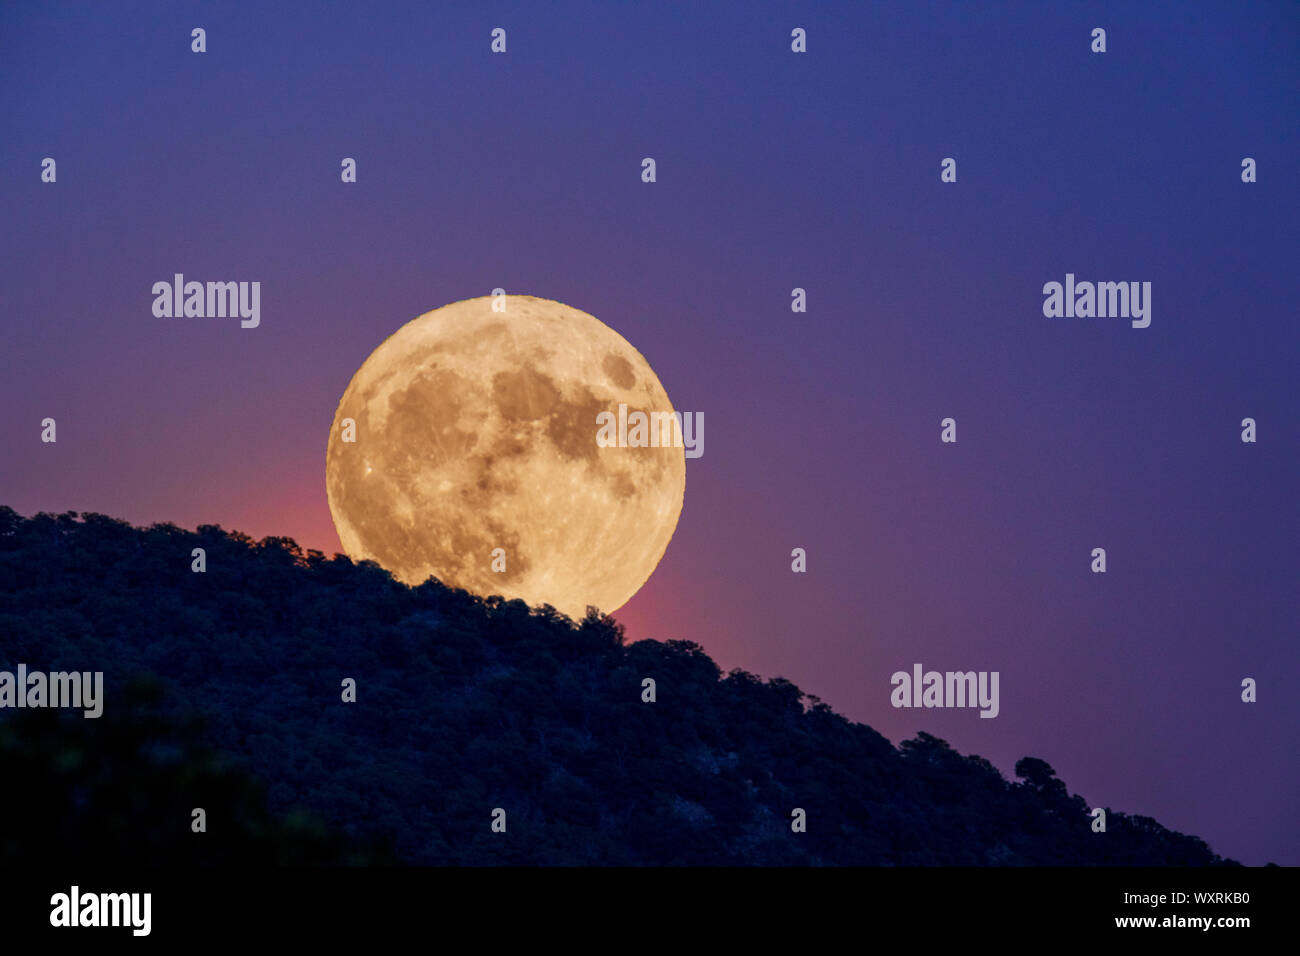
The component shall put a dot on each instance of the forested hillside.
(463, 705)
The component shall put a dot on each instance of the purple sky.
(775, 170)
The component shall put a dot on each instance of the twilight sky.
(775, 170)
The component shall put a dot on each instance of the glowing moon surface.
(476, 430)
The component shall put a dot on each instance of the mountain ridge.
(466, 705)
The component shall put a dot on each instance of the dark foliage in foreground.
(464, 705)
(123, 790)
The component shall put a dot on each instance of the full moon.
(465, 449)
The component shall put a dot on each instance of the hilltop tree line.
(464, 704)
